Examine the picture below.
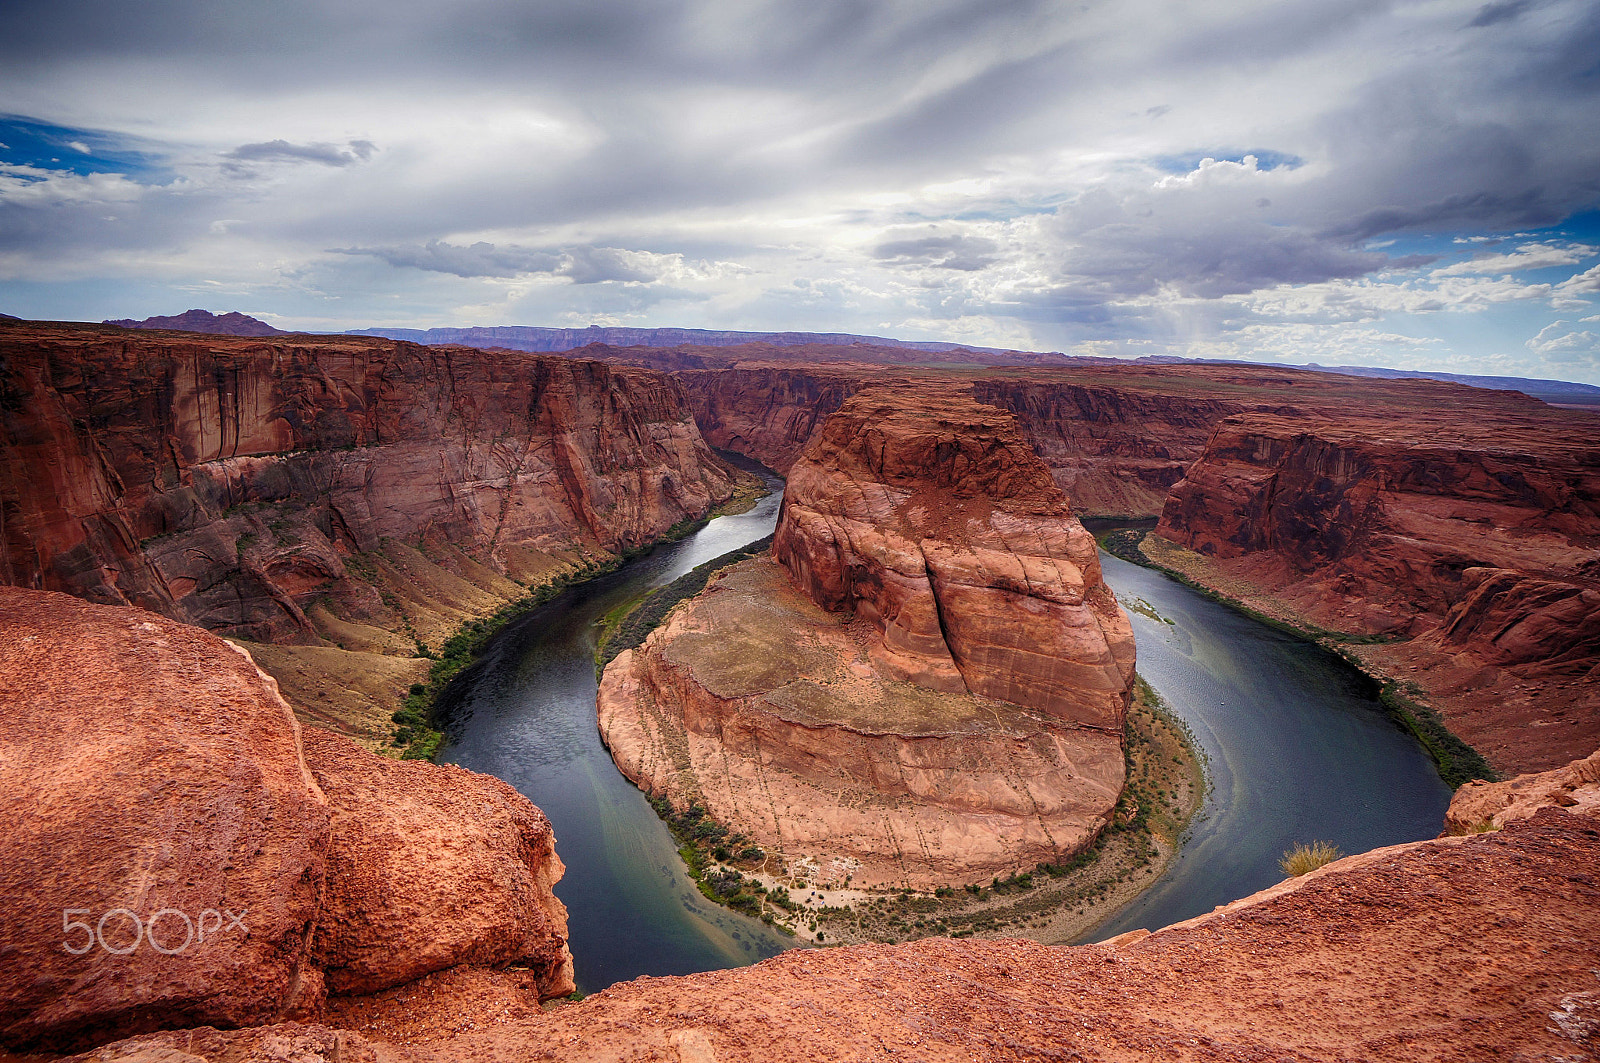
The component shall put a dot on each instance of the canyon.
(1445, 538)
(925, 685)
(929, 653)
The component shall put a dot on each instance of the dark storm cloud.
(240, 159)
(474, 260)
(965, 253)
(283, 151)
(1489, 14)
(584, 265)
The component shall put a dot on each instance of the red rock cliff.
(934, 521)
(225, 481)
(953, 711)
(1469, 526)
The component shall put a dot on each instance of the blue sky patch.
(24, 142)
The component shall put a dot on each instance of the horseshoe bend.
(238, 569)
(924, 686)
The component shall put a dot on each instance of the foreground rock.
(150, 768)
(430, 866)
(927, 686)
(1464, 949)
(175, 856)
(1484, 805)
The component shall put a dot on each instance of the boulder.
(432, 866)
(167, 844)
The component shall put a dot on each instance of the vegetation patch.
(631, 623)
(1304, 858)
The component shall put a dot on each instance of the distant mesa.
(537, 338)
(229, 324)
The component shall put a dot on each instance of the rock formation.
(932, 520)
(430, 866)
(1470, 948)
(929, 689)
(180, 853)
(1469, 532)
(229, 324)
(330, 493)
(1481, 805)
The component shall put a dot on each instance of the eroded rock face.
(432, 866)
(228, 482)
(1471, 530)
(771, 713)
(152, 772)
(935, 522)
(149, 768)
(926, 686)
(1479, 805)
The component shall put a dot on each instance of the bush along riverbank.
(1456, 761)
(1053, 903)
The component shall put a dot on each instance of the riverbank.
(1401, 696)
(1053, 904)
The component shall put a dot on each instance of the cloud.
(583, 265)
(1559, 342)
(949, 251)
(1528, 256)
(1127, 175)
(282, 151)
(1502, 11)
(475, 260)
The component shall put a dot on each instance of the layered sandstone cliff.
(1470, 534)
(180, 852)
(333, 493)
(926, 686)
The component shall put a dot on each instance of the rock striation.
(338, 498)
(1469, 534)
(933, 521)
(226, 482)
(182, 853)
(924, 686)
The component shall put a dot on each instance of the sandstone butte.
(332, 499)
(1462, 949)
(1448, 536)
(153, 773)
(926, 683)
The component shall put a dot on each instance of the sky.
(1410, 184)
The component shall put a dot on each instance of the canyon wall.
(1470, 537)
(224, 481)
(341, 498)
(181, 852)
(924, 686)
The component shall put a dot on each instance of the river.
(1298, 750)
